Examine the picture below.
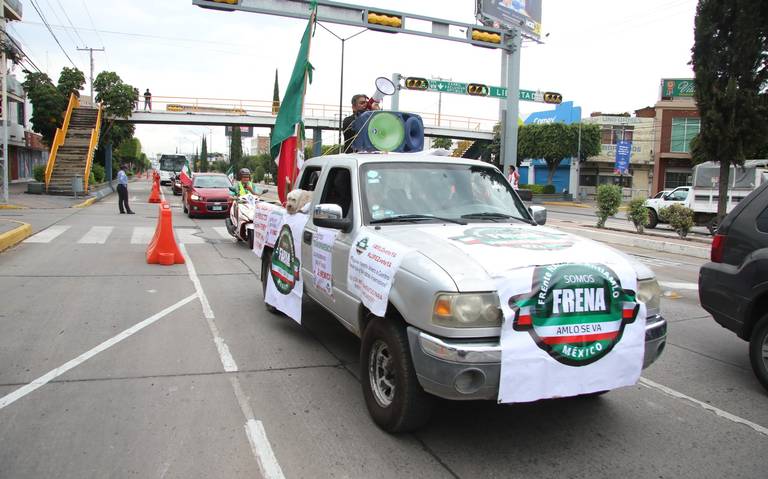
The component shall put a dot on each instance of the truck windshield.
(456, 192)
(173, 163)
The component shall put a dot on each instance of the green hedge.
(38, 171)
(539, 189)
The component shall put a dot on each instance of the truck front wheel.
(266, 267)
(392, 392)
(653, 218)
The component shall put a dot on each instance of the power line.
(70, 22)
(90, 19)
(21, 50)
(58, 19)
(37, 9)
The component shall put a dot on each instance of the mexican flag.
(185, 175)
(231, 174)
(285, 144)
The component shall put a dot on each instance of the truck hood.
(476, 253)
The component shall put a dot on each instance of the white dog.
(298, 200)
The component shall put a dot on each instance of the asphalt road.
(218, 387)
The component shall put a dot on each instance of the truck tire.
(758, 351)
(266, 266)
(713, 225)
(653, 218)
(249, 234)
(392, 392)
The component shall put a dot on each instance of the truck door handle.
(307, 237)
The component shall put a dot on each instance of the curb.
(11, 207)
(564, 203)
(655, 235)
(644, 243)
(15, 236)
(85, 203)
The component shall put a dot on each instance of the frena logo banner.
(576, 313)
(569, 329)
(284, 284)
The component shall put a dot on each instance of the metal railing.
(95, 133)
(58, 139)
(231, 106)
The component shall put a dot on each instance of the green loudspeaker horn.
(386, 131)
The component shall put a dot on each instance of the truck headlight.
(649, 292)
(467, 310)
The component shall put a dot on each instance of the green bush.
(258, 174)
(608, 202)
(38, 171)
(679, 217)
(91, 179)
(98, 173)
(539, 189)
(637, 213)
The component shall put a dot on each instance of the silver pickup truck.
(440, 335)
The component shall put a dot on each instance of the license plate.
(217, 208)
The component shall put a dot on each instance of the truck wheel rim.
(764, 352)
(381, 373)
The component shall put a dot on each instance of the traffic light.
(415, 83)
(485, 36)
(385, 19)
(550, 97)
(477, 89)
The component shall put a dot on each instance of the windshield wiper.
(405, 218)
(492, 216)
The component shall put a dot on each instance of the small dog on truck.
(297, 200)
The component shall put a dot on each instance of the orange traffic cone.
(163, 248)
(154, 196)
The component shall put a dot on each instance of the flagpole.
(299, 139)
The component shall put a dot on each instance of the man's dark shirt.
(349, 132)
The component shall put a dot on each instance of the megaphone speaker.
(388, 131)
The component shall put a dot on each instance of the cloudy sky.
(605, 55)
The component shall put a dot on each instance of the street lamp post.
(341, 80)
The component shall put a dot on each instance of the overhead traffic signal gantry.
(552, 97)
(390, 20)
(416, 83)
(477, 89)
(485, 36)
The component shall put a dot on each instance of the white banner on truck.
(261, 216)
(373, 262)
(284, 285)
(322, 259)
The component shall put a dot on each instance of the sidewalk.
(18, 198)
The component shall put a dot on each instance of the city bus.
(170, 166)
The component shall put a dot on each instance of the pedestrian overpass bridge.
(260, 113)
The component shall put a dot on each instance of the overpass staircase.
(73, 148)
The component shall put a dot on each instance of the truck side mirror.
(329, 215)
(539, 214)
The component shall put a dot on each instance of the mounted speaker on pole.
(388, 131)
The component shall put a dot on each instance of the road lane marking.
(719, 412)
(223, 232)
(188, 236)
(673, 285)
(54, 373)
(226, 357)
(96, 235)
(254, 429)
(142, 234)
(47, 234)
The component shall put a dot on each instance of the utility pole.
(4, 73)
(440, 99)
(91, 50)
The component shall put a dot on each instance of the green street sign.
(447, 86)
(497, 92)
(527, 95)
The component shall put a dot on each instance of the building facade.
(598, 170)
(677, 123)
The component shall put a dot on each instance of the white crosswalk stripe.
(48, 234)
(222, 231)
(96, 235)
(142, 234)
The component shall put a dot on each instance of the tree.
(49, 102)
(236, 149)
(442, 142)
(730, 65)
(553, 142)
(71, 80)
(129, 152)
(204, 156)
(117, 101)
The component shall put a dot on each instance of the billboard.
(677, 87)
(518, 14)
(623, 155)
(563, 113)
(245, 131)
